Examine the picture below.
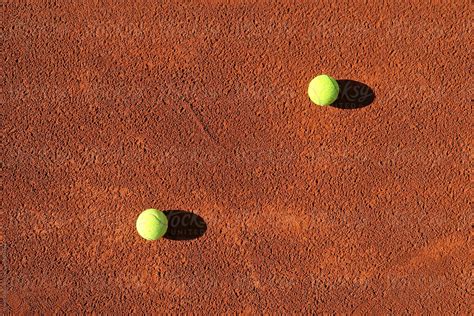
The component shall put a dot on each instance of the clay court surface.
(202, 107)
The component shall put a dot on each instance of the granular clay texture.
(110, 109)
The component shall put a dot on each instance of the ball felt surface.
(323, 90)
(152, 224)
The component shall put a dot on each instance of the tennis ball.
(152, 224)
(323, 90)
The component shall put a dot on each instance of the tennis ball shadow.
(353, 95)
(184, 225)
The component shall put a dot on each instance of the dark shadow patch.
(353, 95)
(183, 225)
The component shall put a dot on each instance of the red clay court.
(201, 109)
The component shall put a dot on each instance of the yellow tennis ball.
(152, 224)
(323, 90)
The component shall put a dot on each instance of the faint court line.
(196, 118)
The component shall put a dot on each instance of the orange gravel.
(200, 109)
